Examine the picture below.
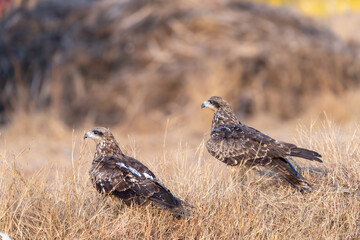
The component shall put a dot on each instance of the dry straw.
(57, 201)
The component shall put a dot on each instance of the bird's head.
(215, 103)
(223, 114)
(105, 142)
(99, 134)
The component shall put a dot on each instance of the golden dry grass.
(46, 193)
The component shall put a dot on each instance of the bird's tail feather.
(165, 198)
(184, 209)
(287, 172)
(305, 153)
(179, 210)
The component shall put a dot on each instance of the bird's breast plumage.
(107, 148)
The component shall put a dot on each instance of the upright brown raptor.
(114, 173)
(233, 143)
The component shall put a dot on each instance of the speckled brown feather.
(235, 143)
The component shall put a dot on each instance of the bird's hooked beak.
(90, 135)
(86, 135)
(207, 104)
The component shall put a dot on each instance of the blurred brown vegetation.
(120, 61)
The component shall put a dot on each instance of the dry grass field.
(46, 192)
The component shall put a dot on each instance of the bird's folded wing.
(235, 144)
(137, 165)
(115, 174)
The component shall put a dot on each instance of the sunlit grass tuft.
(60, 203)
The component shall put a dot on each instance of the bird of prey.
(234, 143)
(114, 173)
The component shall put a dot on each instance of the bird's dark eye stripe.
(96, 132)
(215, 104)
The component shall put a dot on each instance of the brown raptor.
(114, 173)
(234, 143)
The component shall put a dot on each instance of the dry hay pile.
(112, 61)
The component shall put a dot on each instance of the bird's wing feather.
(137, 165)
(128, 175)
(115, 173)
(240, 143)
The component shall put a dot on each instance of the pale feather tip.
(4, 236)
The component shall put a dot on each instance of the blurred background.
(140, 62)
(290, 68)
(145, 67)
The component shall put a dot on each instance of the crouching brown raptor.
(234, 143)
(114, 173)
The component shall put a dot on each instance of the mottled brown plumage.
(114, 173)
(235, 143)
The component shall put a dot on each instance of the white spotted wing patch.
(148, 176)
(132, 180)
(134, 171)
(121, 165)
(102, 186)
(131, 169)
